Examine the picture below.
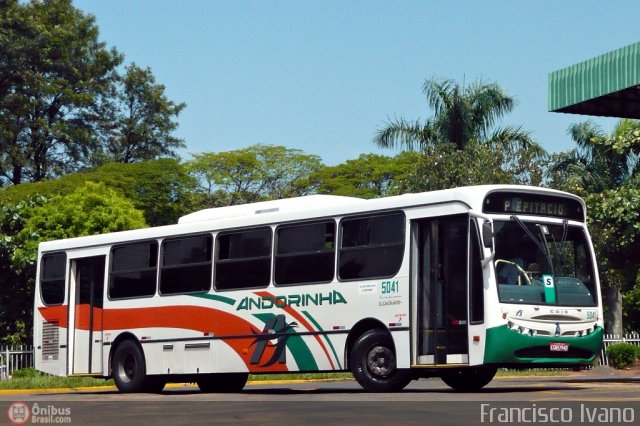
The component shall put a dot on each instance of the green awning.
(607, 85)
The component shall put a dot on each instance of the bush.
(622, 355)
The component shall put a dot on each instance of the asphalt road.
(579, 399)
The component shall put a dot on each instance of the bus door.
(440, 300)
(85, 314)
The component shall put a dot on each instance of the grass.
(51, 382)
(535, 372)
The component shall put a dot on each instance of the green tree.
(161, 189)
(368, 176)
(614, 221)
(256, 173)
(444, 166)
(595, 163)
(603, 169)
(91, 209)
(52, 68)
(16, 278)
(460, 114)
(136, 120)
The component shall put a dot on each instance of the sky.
(323, 76)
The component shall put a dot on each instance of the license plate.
(559, 347)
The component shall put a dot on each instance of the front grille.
(50, 341)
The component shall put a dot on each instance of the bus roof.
(294, 209)
(284, 205)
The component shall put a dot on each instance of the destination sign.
(533, 204)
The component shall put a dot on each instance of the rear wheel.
(222, 382)
(468, 379)
(129, 370)
(373, 363)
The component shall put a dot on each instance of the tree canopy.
(604, 170)
(161, 189)
(368, 176)
(64, 106)
(52, 67)
(256, 173)
(136, 122)
(91, 209)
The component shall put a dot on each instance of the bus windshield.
(543, 264)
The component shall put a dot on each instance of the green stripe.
(227, 300)
(502, 345)
(326, 337)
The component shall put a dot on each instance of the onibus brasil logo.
(19, 413)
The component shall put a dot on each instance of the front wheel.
(373, 363)
(468, 379)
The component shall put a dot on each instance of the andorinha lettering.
(267, 302)
(517, 205)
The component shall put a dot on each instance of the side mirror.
(487, 235)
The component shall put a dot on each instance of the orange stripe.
(205, 320)
(55, 314)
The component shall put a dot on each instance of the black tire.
(129, 369)
(470, 379)
(373, 363)
(154, 384)
(222, 382)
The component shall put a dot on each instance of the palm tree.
(594, 162)
(460, 115)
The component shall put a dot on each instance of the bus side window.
(305, 253)
(133, 270)
(52, 283)
(372, 246)
(243, 259)
(186, 257)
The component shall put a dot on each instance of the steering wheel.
(518, 268)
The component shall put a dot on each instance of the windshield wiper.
(542, 244)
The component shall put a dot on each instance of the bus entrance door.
(440, 314)
(85, 315)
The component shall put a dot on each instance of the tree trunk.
(613, 315)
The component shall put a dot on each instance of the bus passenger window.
(305, 253)
(133, 270)
(186, 265)
(52, 278)
(243, 259)
(371, 247)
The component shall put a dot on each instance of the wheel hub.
(381, 361)
(127, 370)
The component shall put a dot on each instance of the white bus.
(453, 283)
